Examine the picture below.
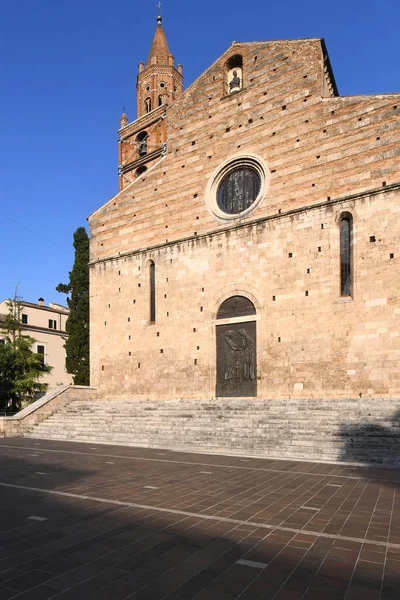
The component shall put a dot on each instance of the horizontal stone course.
(354, 430)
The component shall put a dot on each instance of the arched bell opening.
(236, 337)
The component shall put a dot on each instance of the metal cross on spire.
(159, 9)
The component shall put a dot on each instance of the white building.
(46, 324)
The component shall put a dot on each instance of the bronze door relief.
(236, 360)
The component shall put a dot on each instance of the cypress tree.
(77, 327)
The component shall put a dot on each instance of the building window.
(346, 267)
(152, 292)
(52, 324)
(147, 105)
(238, 190)
(237, 187)
(40, 350)
(24, 319)
(142, 141)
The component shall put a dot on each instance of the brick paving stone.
(142, 549)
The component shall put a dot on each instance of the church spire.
(159, 82)
(159, 52)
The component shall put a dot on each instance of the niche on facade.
(147, 105)
(142, 142)
(233, 76)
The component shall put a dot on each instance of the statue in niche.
(235, 82)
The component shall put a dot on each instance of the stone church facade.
(253, 247)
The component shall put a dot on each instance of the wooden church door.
(236, 349)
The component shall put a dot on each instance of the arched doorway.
(236, 348)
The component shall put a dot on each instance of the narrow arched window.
(152, 270)
(346, 267)
(147, 105)
(160, 100)
(142, 141)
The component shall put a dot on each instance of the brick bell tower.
(158, 84)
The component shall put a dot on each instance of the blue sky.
(68, 67)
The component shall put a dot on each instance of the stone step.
(304, 429)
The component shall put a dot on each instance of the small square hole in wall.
(102, 367)
(290, 254)
(227, 129)
(129, 337)
(129, 353)
(328, 197)
(198, 347)
(313, 185)
(133, 301)
(119, 289)
(284, 107)
(322, 225)
(202, 289)
(201, 309)
(158, 334)
(372, 238)
(166, 280)
(194, 329)
(139, 285)
(109, 306)
(119, 272)
(298, 139)
(193, 143)
(306, 293)
(383, 183)
(306, 121)
(391, 255)
(138, 268)
(167, 314)
(250, 121)
(105, 322)
(195, 361)
(308, 270)
(319, 248)
(161, 351)
(279, 339)
(195, 195)
(379, 137)
(129, 319)
(273, 298)
(318, 156)
(165, 295)
(138, 365)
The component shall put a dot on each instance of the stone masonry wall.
(310, 340)
(317, 151)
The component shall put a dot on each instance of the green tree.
(20, 367)
(77, 327)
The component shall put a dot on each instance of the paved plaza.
(90, 521)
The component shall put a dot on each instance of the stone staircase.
(358, 430)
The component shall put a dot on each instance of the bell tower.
(144, 141)
(158, 82)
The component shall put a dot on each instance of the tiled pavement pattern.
(84, 521)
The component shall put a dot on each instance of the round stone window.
(236, 187)
(238, 190)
